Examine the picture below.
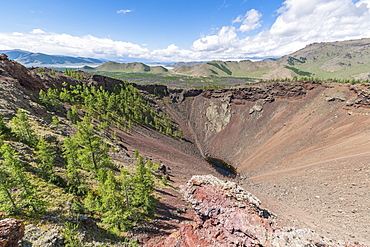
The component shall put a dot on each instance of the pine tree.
(94, 151)
(50, 98)
(7, 202)
(12, 176)
(23, 130)
(73, 115)
(3, 128)
(45, 159)
(115, 213)
(73, 167)
(143, 190)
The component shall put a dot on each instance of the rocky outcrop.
(37, 237)
(363, 95)
(227, 215)
(11, 232)
(263, 91)
(22, 76)
(218, 115)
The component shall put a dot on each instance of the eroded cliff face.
(260, 127)
(303, 146)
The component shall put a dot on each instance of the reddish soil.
(306, 156)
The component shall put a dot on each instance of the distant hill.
(246, 68)
(30, 58)
(175, 65)
(129, 68)
(329, 60)
(340, 60)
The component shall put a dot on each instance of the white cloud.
(298, 23)
(124, 11)
(37, 31)
(170, 54)
(65, 44)
(225, 39)
(250, 21)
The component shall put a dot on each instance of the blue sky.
(178, 30)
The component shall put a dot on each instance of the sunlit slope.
(340, 60)
(305, 149)
(129, 68)
(335, 60)
(245, 68)
(275, 132)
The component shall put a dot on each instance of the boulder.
(37, 237)
(11, 232)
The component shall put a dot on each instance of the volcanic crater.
(301, 147)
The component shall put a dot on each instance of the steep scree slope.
(300, 144)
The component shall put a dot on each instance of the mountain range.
(37, 59)
(346, 60)
(340, 60)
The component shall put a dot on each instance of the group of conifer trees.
(121, 106)
(17, 194)
(122, 199)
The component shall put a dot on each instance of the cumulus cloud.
(250, 21)
(225, 39)
(298, 23)
(170, 54)
(124, 11)
(37, 31)
(65, 44)
(322, 20)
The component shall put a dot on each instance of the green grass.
(182, 81)
(299, 72)
(345, 73)
(251, 74)
(220, 67)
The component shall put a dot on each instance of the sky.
(178, 30)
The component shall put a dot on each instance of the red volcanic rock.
(12, 69)
(11, 232)
(227, 215)
(267, 91)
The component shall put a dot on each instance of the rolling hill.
(340, 60)
(129, 68)
(345, 60)
(245, 68)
